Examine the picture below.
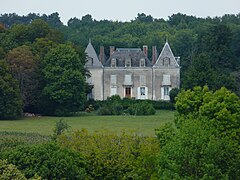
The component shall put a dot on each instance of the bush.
(115, 106)
(9, 171)
(173, 94)
(113, 156)
(141, 108)
(49, 161)
(163, 105)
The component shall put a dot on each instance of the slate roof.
(166, 53)
(92, 58)
(122, 54)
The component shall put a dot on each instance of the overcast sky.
(122, 10)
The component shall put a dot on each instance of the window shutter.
(166, 80)
(128, 79)
(113, 91)
(138, 93)
(146, 92)
(113, 79)
(142, 80)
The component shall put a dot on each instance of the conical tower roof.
(92, 58)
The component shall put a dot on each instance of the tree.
(206, 143)
(22, 64)
(221, 107)
(64, 88)
(196, 151)
(10, 99)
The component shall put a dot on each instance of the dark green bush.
(104, 110)
(141, 108)
(50, 161)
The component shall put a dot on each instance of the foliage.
(112, 156)
(114, 105)
(206, 143)
(22, 64)
(48, 161)
(64, 81)
(10, 100)
(196, 151)
(9, 171)
(221, 107)
(141, 108)
(60, 127)
(165, 133)
(173, 94)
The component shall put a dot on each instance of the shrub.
(173, 94)
(104, 110)
(142, 108)
(113, 156)
(49, 161)
(9, 171)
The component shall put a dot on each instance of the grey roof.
(92, 58)
(166, 53)
(121, 54)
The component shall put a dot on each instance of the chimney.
(154, 54)
(112, 49)
(101, 55)
(145, 50)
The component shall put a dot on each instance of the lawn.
(44, 125)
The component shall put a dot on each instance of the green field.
(44, 125)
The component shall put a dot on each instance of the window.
(166, 61)
(142, 62)
(128, 62)
(142, 79)
(113, 90)
(166, 80)
(166, 91)
(128, 80)
(113, 79)
(113, 62)
(142, 91)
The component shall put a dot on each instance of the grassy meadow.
(44, 125)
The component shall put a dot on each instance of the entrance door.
(128, 92)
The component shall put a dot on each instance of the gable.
(166, 58)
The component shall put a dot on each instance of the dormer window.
(166, 61)
(142, 62)
(128, 62)
(113, 62)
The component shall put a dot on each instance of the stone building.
(129, 73)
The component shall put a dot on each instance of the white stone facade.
(129, 73)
